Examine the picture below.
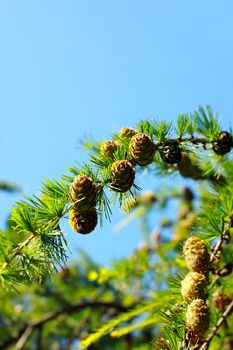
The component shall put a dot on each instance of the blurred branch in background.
(9, 187)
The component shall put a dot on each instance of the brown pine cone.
(188, 167)
(142, 149)
(123, 175)
(170, 152)
(224, 143)
(83, 222)
(83, 193)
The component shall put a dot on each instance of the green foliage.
(135, 302)
(207, 123)
(183, 125)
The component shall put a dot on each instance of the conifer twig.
(193, 140)
(226, 313)
(220, 242)
(216, 248)
(18, 251)
(24, 244)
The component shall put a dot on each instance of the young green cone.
(129, 204)
(142, 148)
(197, 317)
(196, 255)
(127, 133)
(83, 193)
(193, 286)
(228, 343)
(221, 300)
(83, 222)
(160, 342)
(123, 175)
(108, 148)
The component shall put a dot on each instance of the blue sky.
(73, 67)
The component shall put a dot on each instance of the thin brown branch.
(22, 336)
(220, 241)
(226, 313)
(216, 248)
(193, 140)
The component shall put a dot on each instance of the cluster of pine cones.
(83, 195)
(141, 149)
(193, 289)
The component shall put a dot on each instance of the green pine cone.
(224, 143)
(161, 342)
(108, 148)
(83, 222)
(197, 317)
(129, 204)
(123, 175)
(221, 300)
(228, 343)
(193, 286)
(83, 193)
(142, 149)
(196, 255)
(170, 152)
(127, 133)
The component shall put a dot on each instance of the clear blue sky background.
(73, 67)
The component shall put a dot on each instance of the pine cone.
(228, 343)
(160, 342)
(83, 193)
(182, 227)
(196, 255)
(188, 167)
(127, 133)
(147, 198)
(108, 148)
(188, 194)
(142, 148)
(224, 143)
(129, 204)
(221, 300)
(83, 223)
(197, 317)
(193, 286)
(123, 175)
(170, 152)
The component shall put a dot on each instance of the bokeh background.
(70, 68)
